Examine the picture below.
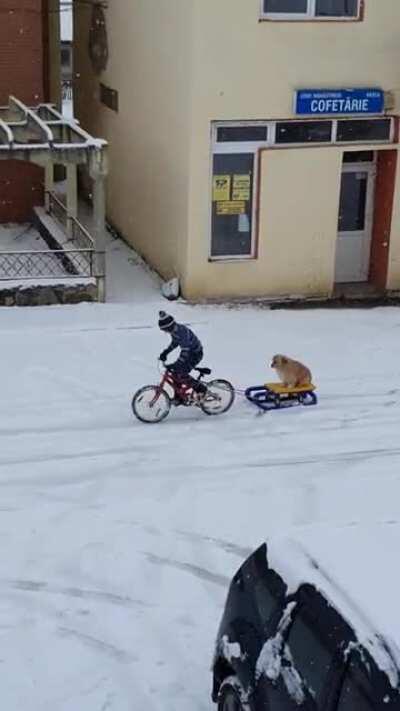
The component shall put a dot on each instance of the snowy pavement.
(119, 539)
(16, 238)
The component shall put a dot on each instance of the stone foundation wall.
(45, 295)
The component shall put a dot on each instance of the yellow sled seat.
(280, 389)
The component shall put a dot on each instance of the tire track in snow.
(329, 458)
(90, 454)
(226, 546)
(98, 645)
(94, 329)
(359, 455)
(39, 586)
(195, 570)
(46, 430)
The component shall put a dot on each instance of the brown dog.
(292, 373)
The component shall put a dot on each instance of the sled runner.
(275, 396)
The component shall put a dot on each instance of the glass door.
(355, 223)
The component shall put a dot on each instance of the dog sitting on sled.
(295, 388)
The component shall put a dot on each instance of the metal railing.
(56, 208)
(79, 235)
(56, 263)
(75, 231)
(74, 258)
(80, 243)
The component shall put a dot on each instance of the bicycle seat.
(203, 371)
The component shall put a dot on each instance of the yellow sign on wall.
(241, 187)
(221, 187)
(232, 207)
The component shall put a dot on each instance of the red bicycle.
(152, 403)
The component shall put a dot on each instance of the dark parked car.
(313, 624)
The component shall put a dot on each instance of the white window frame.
(251, 146)
(232, 149)
(309, 15)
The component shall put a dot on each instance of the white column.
(72, 195)
(48, 183)
(99, 215)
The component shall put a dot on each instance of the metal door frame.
(370, 170)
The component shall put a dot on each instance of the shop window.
(236, 138)
(353, 201)
(309, 9)
(232, 205)
(304, 132)
(364, 131)
(359, 157)
(241, 134)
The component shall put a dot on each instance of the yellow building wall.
(248, 70)
(178, 65)
(150, 67)
(298, 216)
(393, 282)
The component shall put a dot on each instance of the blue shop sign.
(341, 102)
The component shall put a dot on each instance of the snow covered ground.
(16, 238)
(119, 539)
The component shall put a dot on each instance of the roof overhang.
(41, 133)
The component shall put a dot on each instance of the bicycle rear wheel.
(219, 397)
(150, 404)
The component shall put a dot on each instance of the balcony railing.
(73, 258)
(49, 264)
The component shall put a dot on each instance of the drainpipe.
(48, 184)
(98, 172)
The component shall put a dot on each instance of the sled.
(275, 396)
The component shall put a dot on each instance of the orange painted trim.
(383, 216)
(396, 132)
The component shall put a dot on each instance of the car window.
(311, 656)
(268, 588)
(354, 696)
(265, 601)
(364, 687)
(268, 598)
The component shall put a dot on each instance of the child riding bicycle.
(191, 352)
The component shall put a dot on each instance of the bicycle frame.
(175, 389)
(180, 388)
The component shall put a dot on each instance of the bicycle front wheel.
(219, 397)
(150, 404)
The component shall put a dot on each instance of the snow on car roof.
(356, 569)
